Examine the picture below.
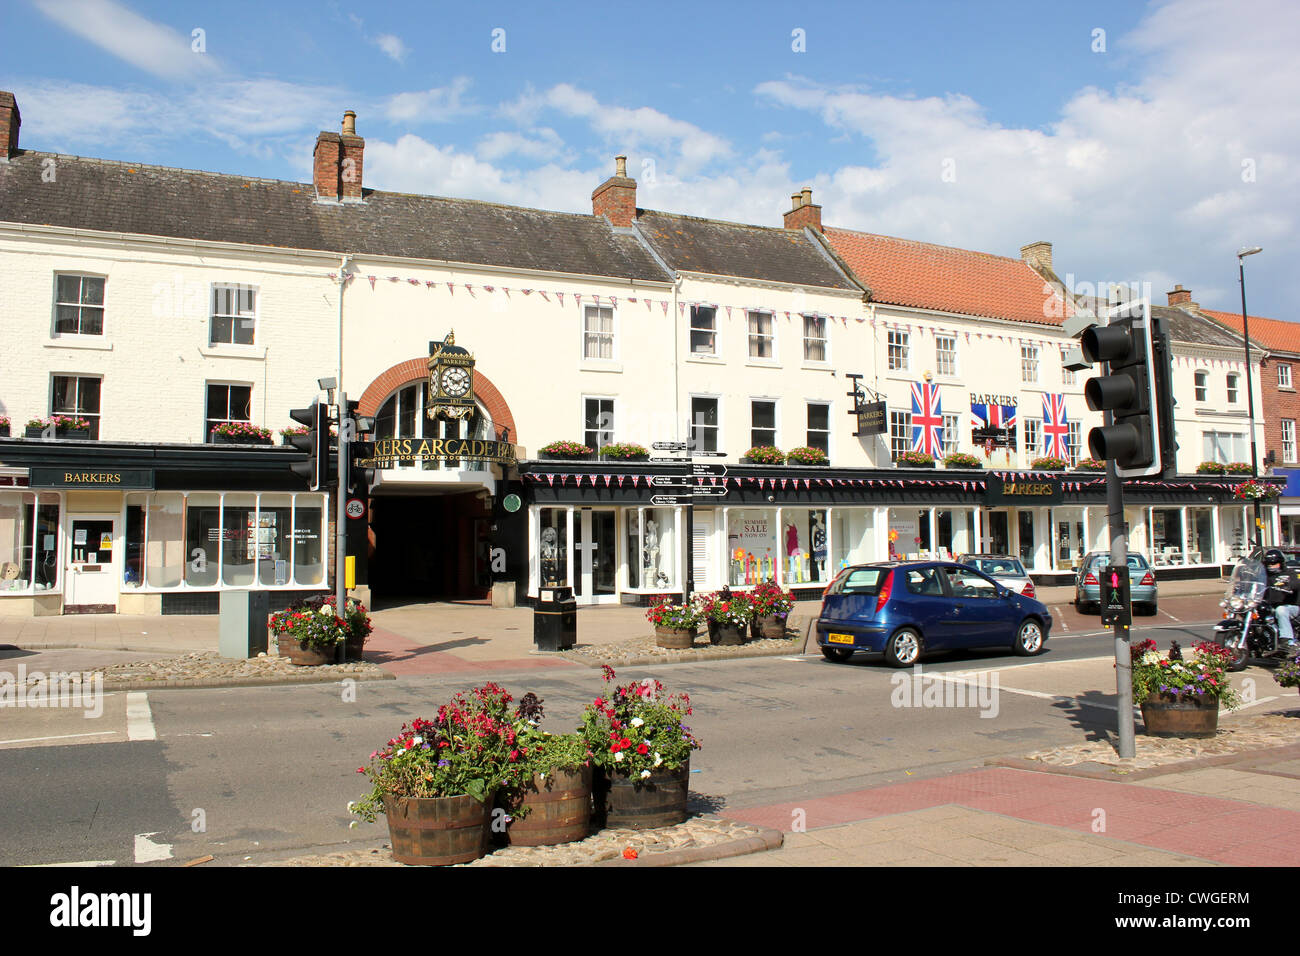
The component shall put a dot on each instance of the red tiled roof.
(1276, 335)
(906, 272)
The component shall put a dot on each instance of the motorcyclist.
(1283, 591)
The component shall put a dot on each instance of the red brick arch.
(417, 370)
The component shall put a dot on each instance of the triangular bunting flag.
(372, 280)
(560, 296)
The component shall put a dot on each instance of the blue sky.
(1151, 152)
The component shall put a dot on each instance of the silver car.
(1004, 569)
(1087, 583)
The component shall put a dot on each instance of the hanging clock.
(451, 381)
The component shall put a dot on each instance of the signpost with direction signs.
(685, 488)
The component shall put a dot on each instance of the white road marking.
(1170, 616)
(30, 740)
(34, 866)
(1060, 616)
(146, 851)
(139, 719)
(1253, 703)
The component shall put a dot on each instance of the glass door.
(596, 560)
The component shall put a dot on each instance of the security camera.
(1079, 323)
(771, 497)
(1074, 360)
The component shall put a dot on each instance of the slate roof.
(919, 274)
(715, 247)
(109, 196)
(1276, 335)
(1184, 326)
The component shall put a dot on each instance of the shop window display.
(752, 549)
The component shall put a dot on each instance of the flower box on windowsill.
(550, 456)
(80, 433)
(4, 431)
(219, 439)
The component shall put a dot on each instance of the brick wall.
(1280, 403)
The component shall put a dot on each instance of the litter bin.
(555, 619)
(242, 623)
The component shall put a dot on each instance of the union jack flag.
(927, 419)
(994, 416)
(1055, 427)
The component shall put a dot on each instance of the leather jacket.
(1283, 587)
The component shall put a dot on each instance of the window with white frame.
(899, 346)
(704, 424)
(819, 426)
(77, 396)
(951, 433)
(900, 433)
(704, 330)
(945, 354)
(1284, 376)
(1223, 447)
(598, 332)
(1068, 375)
(762, 337)
(762, 423)
(1202, 382)
(227, 403)
(234, 315)
(1033, 437)
(1288, 441)
(1073, 437)
(1232, 388)
(78, 305)
(814, 338)
(1029, 363)
(597, 422)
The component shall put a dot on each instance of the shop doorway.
(429, 548)
(997, 533)
(595, 564)
(90, 584)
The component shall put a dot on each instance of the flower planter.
(33, 431)
(437, 831)
(4, 431)
(643, 803)
(556, 809)
(219, 439)
(288, 439)
(354, 648)
(545, 457)
(766, 464)
(676, 638)
(728, 635)
(769, 627)
(620, 458)
(301, 655)
(1164, 718)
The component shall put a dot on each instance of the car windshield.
(1135, 562)
(858, 581)
(1003, 566)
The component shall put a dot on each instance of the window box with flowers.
(1181, 698)
(641, 744)
(1049, 463)
(1089, 464)
(566, 451)
(624, 451)
(771, 607)
(293, 431)
(1210, 468)
(959, 459)
(4, 427)
(675, 624)
(807, 456)
(763, 455)
(914, 459)
(65, 426)
(240, 433)
(1240, 468)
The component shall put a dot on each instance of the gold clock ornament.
(451, 381)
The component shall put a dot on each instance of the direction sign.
(716, 471)
(710, 491)
(671, 481)
(708, 454)
(669, 446)
(670, 499)
(674, 461)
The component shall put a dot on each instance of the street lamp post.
(1250, 392)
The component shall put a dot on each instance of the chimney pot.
(620, 167)
(1180, 296)
(803, 212)
(806, 193)
(615, 198)
(349, 123)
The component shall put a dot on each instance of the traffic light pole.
(1119, 559)
(341, 515)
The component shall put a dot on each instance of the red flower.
(630, 853)
(625, 743)
(642, 749)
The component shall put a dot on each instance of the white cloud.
(392, 46)
(440, 104)
(544, 144)
(130, 37)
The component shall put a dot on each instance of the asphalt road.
(246, 772)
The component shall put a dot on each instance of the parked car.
(904, 609)
(1143, 591)
(1002, 568)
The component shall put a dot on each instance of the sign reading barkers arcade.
(390, 451)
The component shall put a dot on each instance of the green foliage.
(1288, 672)
(765, 455)
(805, 455)
(959, 459)
(1210, 468)
(1049, 463)
(637, 729)
(914, 458)
(681, 616)
(1170, 679)
(565, 449)
(624, 451)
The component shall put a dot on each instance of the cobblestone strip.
(644, 650)
(210, 669)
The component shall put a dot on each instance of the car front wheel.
(904, 648)
(837, 654)
(1029, 639)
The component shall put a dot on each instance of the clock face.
(454, 382)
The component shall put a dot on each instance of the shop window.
(308, 541)
(814, 338)
(819, 426)
(133, 556)
(78, 305)
(227, 403)
(752, 551)
(651, 548)
(1027, 548)
(77, 396)
(165, 528)
(203, 539)
(553, 547)
(239, 540)
(704, 330)
(804, 554)
(274, 520)
(762, 429)
(234, 315)
(16, 540)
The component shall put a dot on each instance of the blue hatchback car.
(906, 608)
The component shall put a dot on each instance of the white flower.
(1151, 657)
(541, 776)
(352, 825)
(637, 721)
(351, 805)
(417, 740)
(658, 760)
(645, 773)
(325, 610)
(618, 756)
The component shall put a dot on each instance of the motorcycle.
(1248, 629)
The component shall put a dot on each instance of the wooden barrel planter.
(437, 831)
(354, 648)
(658, 800)
(676, 638)
(1164, 718)
(301, 655)
(551, 811)
(768, 627)
(729, 634)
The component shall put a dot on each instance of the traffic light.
(316, 443)
(1133, 438)
(361, 471)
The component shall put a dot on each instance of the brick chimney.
(10, 120)
(803, 212)
(1180, 296)
(615, 198)
(337, 163)
(1037, 255)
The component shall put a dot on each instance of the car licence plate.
(839, 638)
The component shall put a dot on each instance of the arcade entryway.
(430, 548)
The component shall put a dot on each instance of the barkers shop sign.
(105, 478)
(391, 451)
(1025, 491)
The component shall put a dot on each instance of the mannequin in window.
(651, 551)
(818, 545)
(550, 557)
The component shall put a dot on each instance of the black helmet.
(1273, 556)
